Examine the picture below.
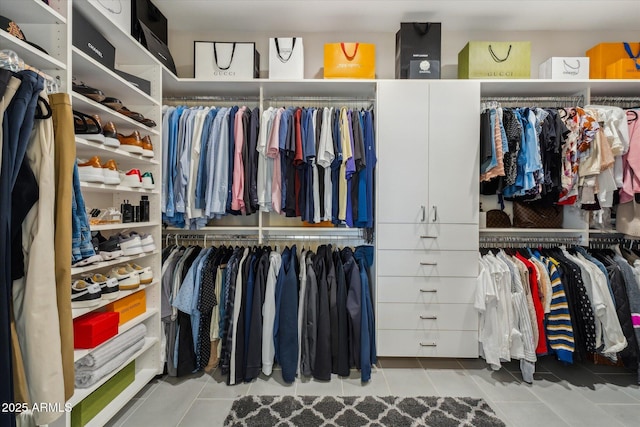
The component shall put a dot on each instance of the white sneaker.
(111, 174)
(148, 245)
(84, 294)
(132, 179)
(127, 280)
(108, 285)
(91, 170)
(145, 273)
(131, 245)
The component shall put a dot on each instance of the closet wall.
(544, 45)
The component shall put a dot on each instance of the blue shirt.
(171, 159)
(203, 170)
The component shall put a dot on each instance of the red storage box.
(93, 329)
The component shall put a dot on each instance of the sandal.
(113, 103)
(88, 91)
(84, 124)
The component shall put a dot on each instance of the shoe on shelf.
(127, 280)
(113, 103)
(111, 174)
(146, 240)
(147, 181)
(84, 294)
(88, 127)
(88, 91)
(147, 147)
(109, 132)
(109, 286)
(107, 248)
(133, 178)
(131, 244)
(145, 273)
(137, 117)
(89, 260)
(131, 143)
(91, 170)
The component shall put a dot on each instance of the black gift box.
(418, 50)
(87, 38)
(157, 48)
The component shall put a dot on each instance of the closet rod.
(212, 98)
(531, 240)
(607, 100)
(318, 99)
(307, 238)
(527, 100)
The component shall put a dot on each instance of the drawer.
(444, 237)
(427, 290)
(431, 263)
(427, 343)
(442, 317)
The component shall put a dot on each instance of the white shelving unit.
(134, 59)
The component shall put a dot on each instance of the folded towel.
(87, 377)
(111, 349)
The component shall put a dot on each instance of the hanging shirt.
(237, 202)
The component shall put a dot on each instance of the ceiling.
(385, 15)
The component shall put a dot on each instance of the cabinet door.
(454, 126)
(403, 116)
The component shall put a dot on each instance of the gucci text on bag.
(570, 70)
(349, 65)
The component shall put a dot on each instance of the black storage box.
(157, 48)
(87, 38)
(418, 50)
(142, 84)
(145, 12)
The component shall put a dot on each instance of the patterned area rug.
(352, 411)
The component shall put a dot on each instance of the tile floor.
(583, 395)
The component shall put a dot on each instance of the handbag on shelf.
(286, 58)
(535, 215)
(418, 50)
(497, 218)
(350, 61)
(226, 60)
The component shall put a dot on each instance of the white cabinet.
(427, 218)
(454, 123)
(403, 151)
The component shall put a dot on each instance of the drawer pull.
(428, 237)
(428, 263)
(428, 344)
(429, 317)
(429, 290)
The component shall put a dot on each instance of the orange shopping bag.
(349, 60)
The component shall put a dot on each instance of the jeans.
(81, 246)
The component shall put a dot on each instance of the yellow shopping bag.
(349, 61)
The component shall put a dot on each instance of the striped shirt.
(558, 324)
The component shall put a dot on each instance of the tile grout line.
(623, 389)
(209, 377)
(426, 372)
(550, 408)
(142, 399)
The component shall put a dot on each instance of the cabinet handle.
(428, 317)
(435, 213)
(428, 237)
(429, 290)
(428, 344)
(428, 263)
(424, 213)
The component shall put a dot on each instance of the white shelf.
(89, 106)
(75, 271)
(143, 377)
(341, 88)
(94, 74)
(86, 148)
(106, 188)
(128, 50)
(31, 12)
(542, 87)
(123, 226)
(82, 393)
(533, 230)
(79, 354)
(77, 312)
(29, 54)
